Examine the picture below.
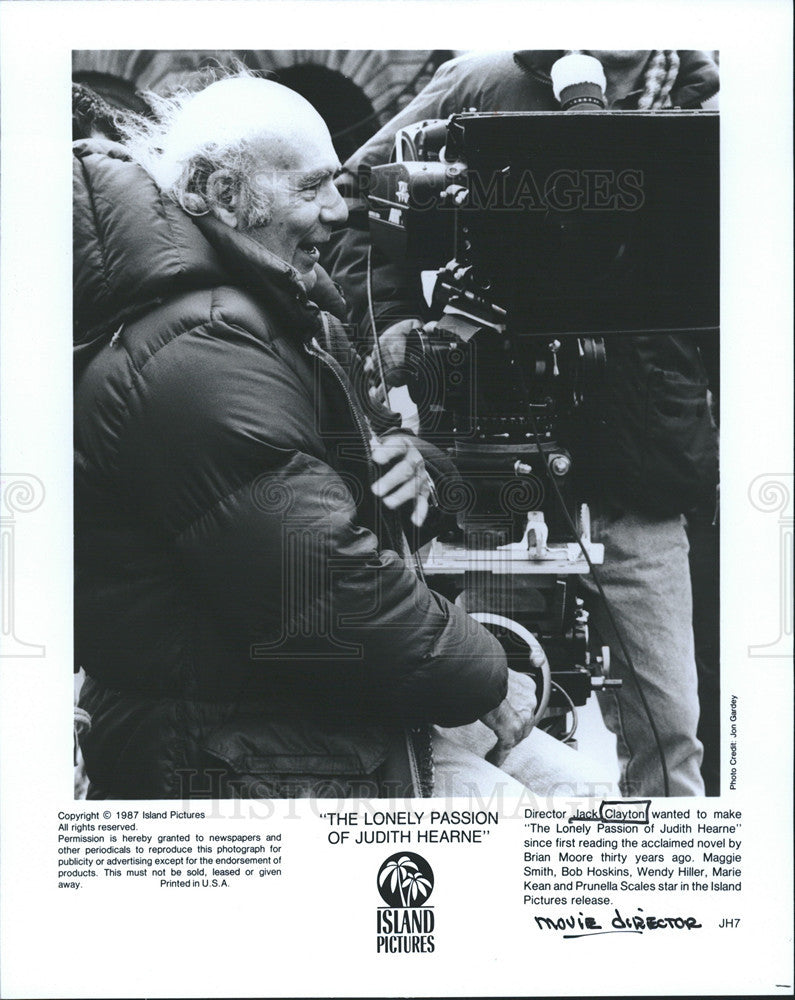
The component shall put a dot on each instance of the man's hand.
(513, 718)
(406, 478)
(393, 358)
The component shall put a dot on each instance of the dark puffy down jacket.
(244, 621)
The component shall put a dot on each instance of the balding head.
(235, 111)
(228, 127)
(245, 150)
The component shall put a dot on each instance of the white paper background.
(312, 932)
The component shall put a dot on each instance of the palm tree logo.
(405, 880)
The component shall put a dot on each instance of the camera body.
(550, 235)
(594, 223)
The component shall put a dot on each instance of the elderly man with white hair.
(245, 610)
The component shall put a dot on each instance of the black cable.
(406, 553)
(608, 609)
(572, 527)
(371, 316)
(572, 708)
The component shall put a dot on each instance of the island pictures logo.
(405, 925)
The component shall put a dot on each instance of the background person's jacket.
(244, 621)
(655, 447)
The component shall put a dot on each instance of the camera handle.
(527, 637)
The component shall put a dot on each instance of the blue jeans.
(646, 578)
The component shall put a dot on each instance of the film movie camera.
(550, 234)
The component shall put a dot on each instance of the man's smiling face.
(297, 176)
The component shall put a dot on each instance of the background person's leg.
(646, 578)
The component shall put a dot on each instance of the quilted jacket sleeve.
(267, 532)
(284, 559)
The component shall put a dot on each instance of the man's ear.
(222, 193)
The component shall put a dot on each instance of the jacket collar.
(270, 279)
(134, 248)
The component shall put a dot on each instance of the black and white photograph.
(397, 559)
(257, 612)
